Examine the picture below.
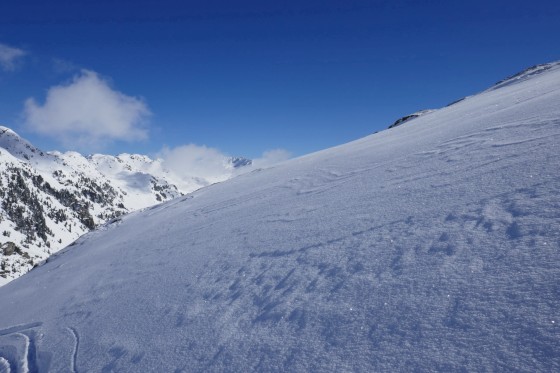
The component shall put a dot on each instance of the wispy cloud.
(10, 57)
(196, 161)
(61, 66)
(87, 113)
(271, 157)
(200, 161)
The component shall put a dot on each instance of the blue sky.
(246, 77)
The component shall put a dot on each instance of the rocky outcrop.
(409, 117)
(8, 248)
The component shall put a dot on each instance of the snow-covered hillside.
(432, 246)
(49, 199)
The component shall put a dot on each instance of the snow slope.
(429, 247)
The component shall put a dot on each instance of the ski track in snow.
(76, 338)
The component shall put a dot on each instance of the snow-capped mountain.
(49, 199)
(432, 246)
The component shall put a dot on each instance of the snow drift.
(427, 247)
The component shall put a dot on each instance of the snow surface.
(428, 247)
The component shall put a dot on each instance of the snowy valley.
(430, 246)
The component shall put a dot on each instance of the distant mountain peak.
(17, 145)
(238, 162)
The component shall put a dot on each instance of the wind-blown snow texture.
(428, 247)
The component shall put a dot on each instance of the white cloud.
(197, 161)
(271, 157)
(9, 57)
(87, 113)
